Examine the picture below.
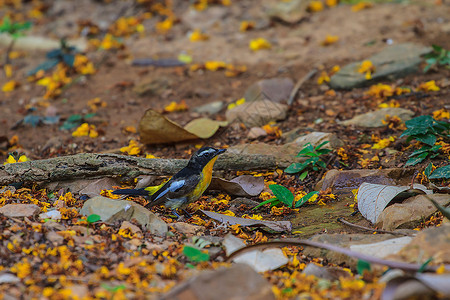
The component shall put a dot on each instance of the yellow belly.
(204, 181)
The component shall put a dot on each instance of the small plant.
(439, 56)
(425, 129)
(92, 219)
(194, 254)
(64, 54)
(313, 162)
(285, 196)
(15, 30)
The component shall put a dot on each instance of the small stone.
(51, 214)
(8, 278)
(19, 210)
(255, 133)
(375, 119)
(55, 238)
(205, 19)
(210, 108)
(236, 282)
(257, 113)
(288, 11)
(186, 228)
(133, 228)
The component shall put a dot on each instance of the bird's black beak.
(220, 151)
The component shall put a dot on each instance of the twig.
(375, 260)
(299, 84)
(371, 229)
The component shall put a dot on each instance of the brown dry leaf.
(154, 128)
(244, 186)
(204, 128)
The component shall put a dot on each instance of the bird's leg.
(174, 211)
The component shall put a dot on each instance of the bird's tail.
(135, 192)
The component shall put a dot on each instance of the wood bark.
(97, 165)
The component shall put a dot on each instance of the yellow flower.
(132, 148)
(383, 143)
(361, 6)
(164, 26)
(10, 86)
(380, 91)
(215, 65)
(392, 103)
(110, 42)
(273, 130)
(331, 3)
(8, 70)
(22, 268)
(330, 39)
(254, 217)
(83, 65)
(237, 103)
(335, 69)
(323, 78)
(246, 25)
(428, 86)
(229, 213)
(95, 104)
(197, 35)
(315, 6)
(441, 114)
(173, 106)
(368, 68)
(85, 130)
(259, 44)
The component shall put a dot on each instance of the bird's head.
(203, 156)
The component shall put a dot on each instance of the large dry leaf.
(374, 198)
(261, 261)
(204, 128)
(274, 225)
(243, 186)
(420, 285)
(154, 128)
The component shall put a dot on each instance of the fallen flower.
(10, 86)
(85, 130)
(197, 36)
(330, 39)
(428, 86)
(132, 148)
(259, 44)
(368, 68)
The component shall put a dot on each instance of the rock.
(257, 113)
(255, 133)
(55, 238)
(236, 282)
(79, 291)
(411, 212)
(152, 86)
(431, 242)
(343, 240)
(392, 62)
(243, 201)
(186, 228)
(133, 228)
(343, 182)
(19, 210)
(39, 43)
(210, 108)
(315, 138)
(51, 214)
(111, 210)
(375, 118)
(275, 89)
(384, 248)
(8, 278)
(293, 134)
(205, 19)
(51, 225)
(288, 11)
(329, 273)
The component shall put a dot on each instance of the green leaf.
(303, 175)
(194, 254)
(321, 145)
(421, 121)
(424, 265)
(362, 266)
(428, 169)
(307, 148)
(415, 160)
(282, 193)
(305, 199)
(93, 218)
(295, 168)
(271, 200)
(442, 172)
(428, 139)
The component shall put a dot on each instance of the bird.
(184, 187)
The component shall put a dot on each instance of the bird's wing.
(177, 187)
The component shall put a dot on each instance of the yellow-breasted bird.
(185, 186)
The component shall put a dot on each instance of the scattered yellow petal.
(164, 26)
(173, 106)
(335, 69)
(383, 143)
(246, 25)
(8, 70)
(215, 65)
(132, 148)
(331, 3)
(315, 6)
(441, 114)
(330, 39)
(380, 91)
(197, 36)
(428, 86)
(323, 78)
(237, 103)
(85, 130)
(10, 86)
(259, 44)
(361, 6)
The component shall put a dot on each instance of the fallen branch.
(372, 259)
(371, 229)
(97, 165)
(299, 84)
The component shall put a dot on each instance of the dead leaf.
(155, 128)
(244, 186)
(374, 198)
(94, 188)
(204, 128)
(274, 225)
(261, 261)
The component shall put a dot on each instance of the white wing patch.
(208, 151)
(176, 185)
